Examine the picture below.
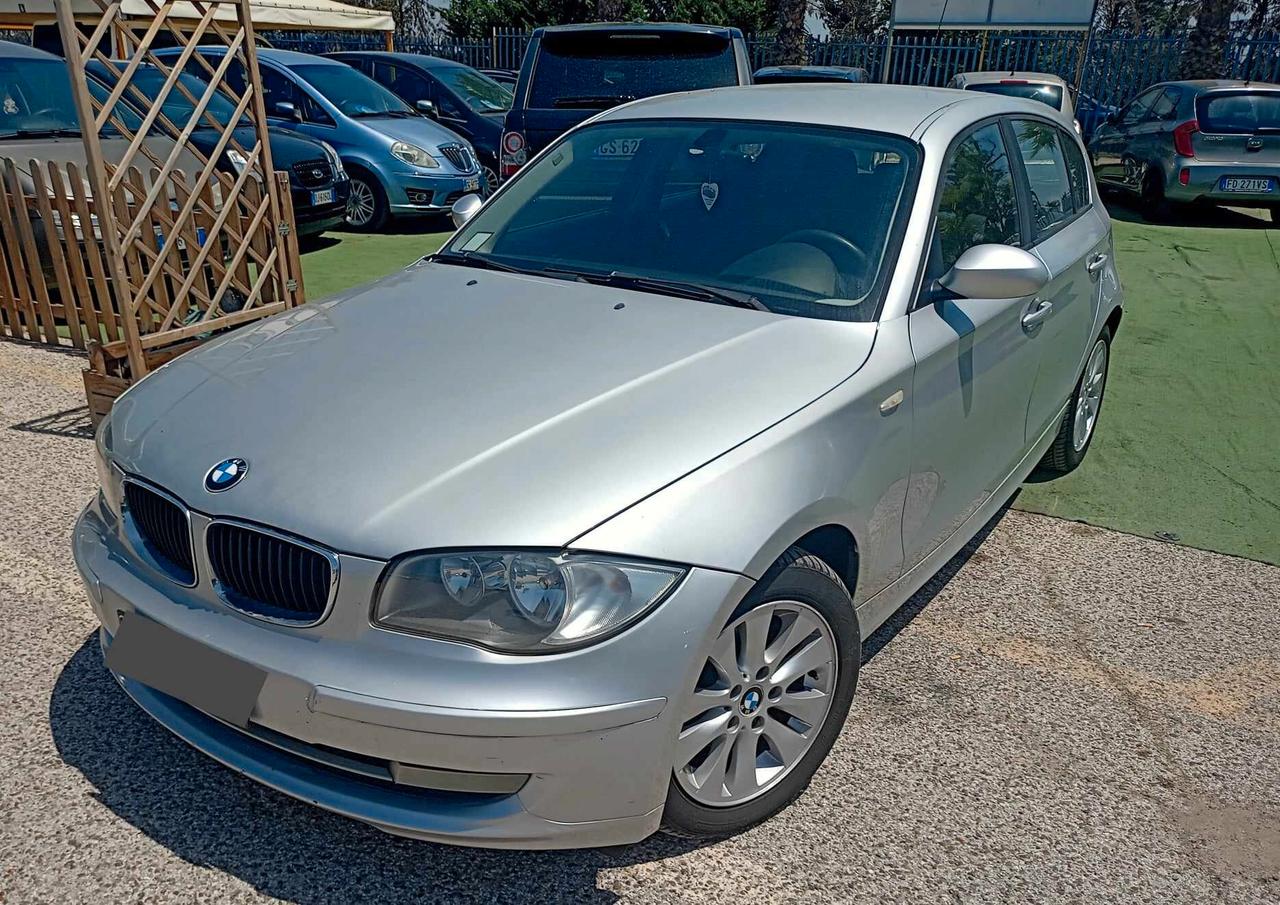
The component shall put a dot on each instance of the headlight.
(522, 602)
(414, 155)
(339, 172)
(237, 160)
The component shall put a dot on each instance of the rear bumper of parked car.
(345, 720)
(1204, 181)
(414, 193)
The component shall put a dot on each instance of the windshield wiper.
(48, 133)
(474, 259)
(700, 292)
(593, 100)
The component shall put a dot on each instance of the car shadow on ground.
(211, 817)
(1127, 210)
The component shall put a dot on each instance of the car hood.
(446, 406)
(418, 130)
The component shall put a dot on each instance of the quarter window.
(1077, 175)
(977, 204)
(1052, 199)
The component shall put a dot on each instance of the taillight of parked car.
(1182, 138)
(514, 154)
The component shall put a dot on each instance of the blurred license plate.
(473, 184)
(619, 147)
(207, 679)
(324, 196)
(1249, 185)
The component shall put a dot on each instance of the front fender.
(838, 461)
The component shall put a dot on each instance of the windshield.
(1045, 94)
(176, 107)
(352, 92)
(35, 98)
(595, 70)
(481, 93)
(801, 219)
(1239, 113)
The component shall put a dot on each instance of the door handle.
(1096, 263)
(1040, 310)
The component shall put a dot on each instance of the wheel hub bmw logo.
(751, 701)
(225, 475)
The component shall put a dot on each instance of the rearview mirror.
(464, 209)
(426, 108)
(287, 110)
(995, 272)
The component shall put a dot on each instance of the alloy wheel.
(1090, 399)
(490, 180)
(361, 204)
(759, 703)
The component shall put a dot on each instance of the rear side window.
(1166, 104)
(594, 70)
(977, 204)
(1077, 174)
(1053, 201)
(1239, 112)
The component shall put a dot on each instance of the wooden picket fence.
(56, 275)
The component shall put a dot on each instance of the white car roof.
(896, 109)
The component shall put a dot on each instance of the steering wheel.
(851, 261)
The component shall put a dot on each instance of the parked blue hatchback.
(400, 161)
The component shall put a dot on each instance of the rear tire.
(1155, 207)
(1080, 421)
(799, 615)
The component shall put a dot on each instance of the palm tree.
(1203, 57)
(792, 44)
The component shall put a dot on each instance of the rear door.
(975, 361)
(1070, 235)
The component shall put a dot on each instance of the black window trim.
(1020, 176)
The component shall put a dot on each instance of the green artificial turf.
(339, 260)
(1188, 446)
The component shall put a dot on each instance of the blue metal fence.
(1115, 67)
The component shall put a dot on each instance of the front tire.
(1080, 422)
(769, 702)
(367, 203)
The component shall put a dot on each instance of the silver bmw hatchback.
(574, 530)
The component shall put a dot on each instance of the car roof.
(987, 77)
(426, 61)
(1208, 84)
(688, 27)
(897, 109)
(12, 50)
(273, 54)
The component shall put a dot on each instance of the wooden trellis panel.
(187, 253)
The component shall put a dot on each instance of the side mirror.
(287, 110)
(464, 209)
(427, 108)
(995, 272)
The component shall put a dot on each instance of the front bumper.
(415, 193)
(316, 218)
(591, 729)
(1204, 180)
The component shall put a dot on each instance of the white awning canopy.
(326, 15)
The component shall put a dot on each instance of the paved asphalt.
(1064, 715)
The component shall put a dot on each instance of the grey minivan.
(575, 529)
(1215, 141)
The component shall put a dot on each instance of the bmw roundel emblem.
(225, 475)
(751, 701)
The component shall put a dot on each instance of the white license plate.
(619, 147)
(1247, 185)
(324, 196)
(473, 184)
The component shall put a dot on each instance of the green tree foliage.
(476, 19)
(854, 18)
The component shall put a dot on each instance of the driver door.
(975, 362)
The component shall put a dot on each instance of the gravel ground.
(1065, 714)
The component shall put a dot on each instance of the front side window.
(800, 220)
(1052, 201)
(977, 204)
(593, 70)
(352, 92)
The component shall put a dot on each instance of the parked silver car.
(1045, 87)
(1213, 141)
(575, 529)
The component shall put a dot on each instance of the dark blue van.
(571, 72)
